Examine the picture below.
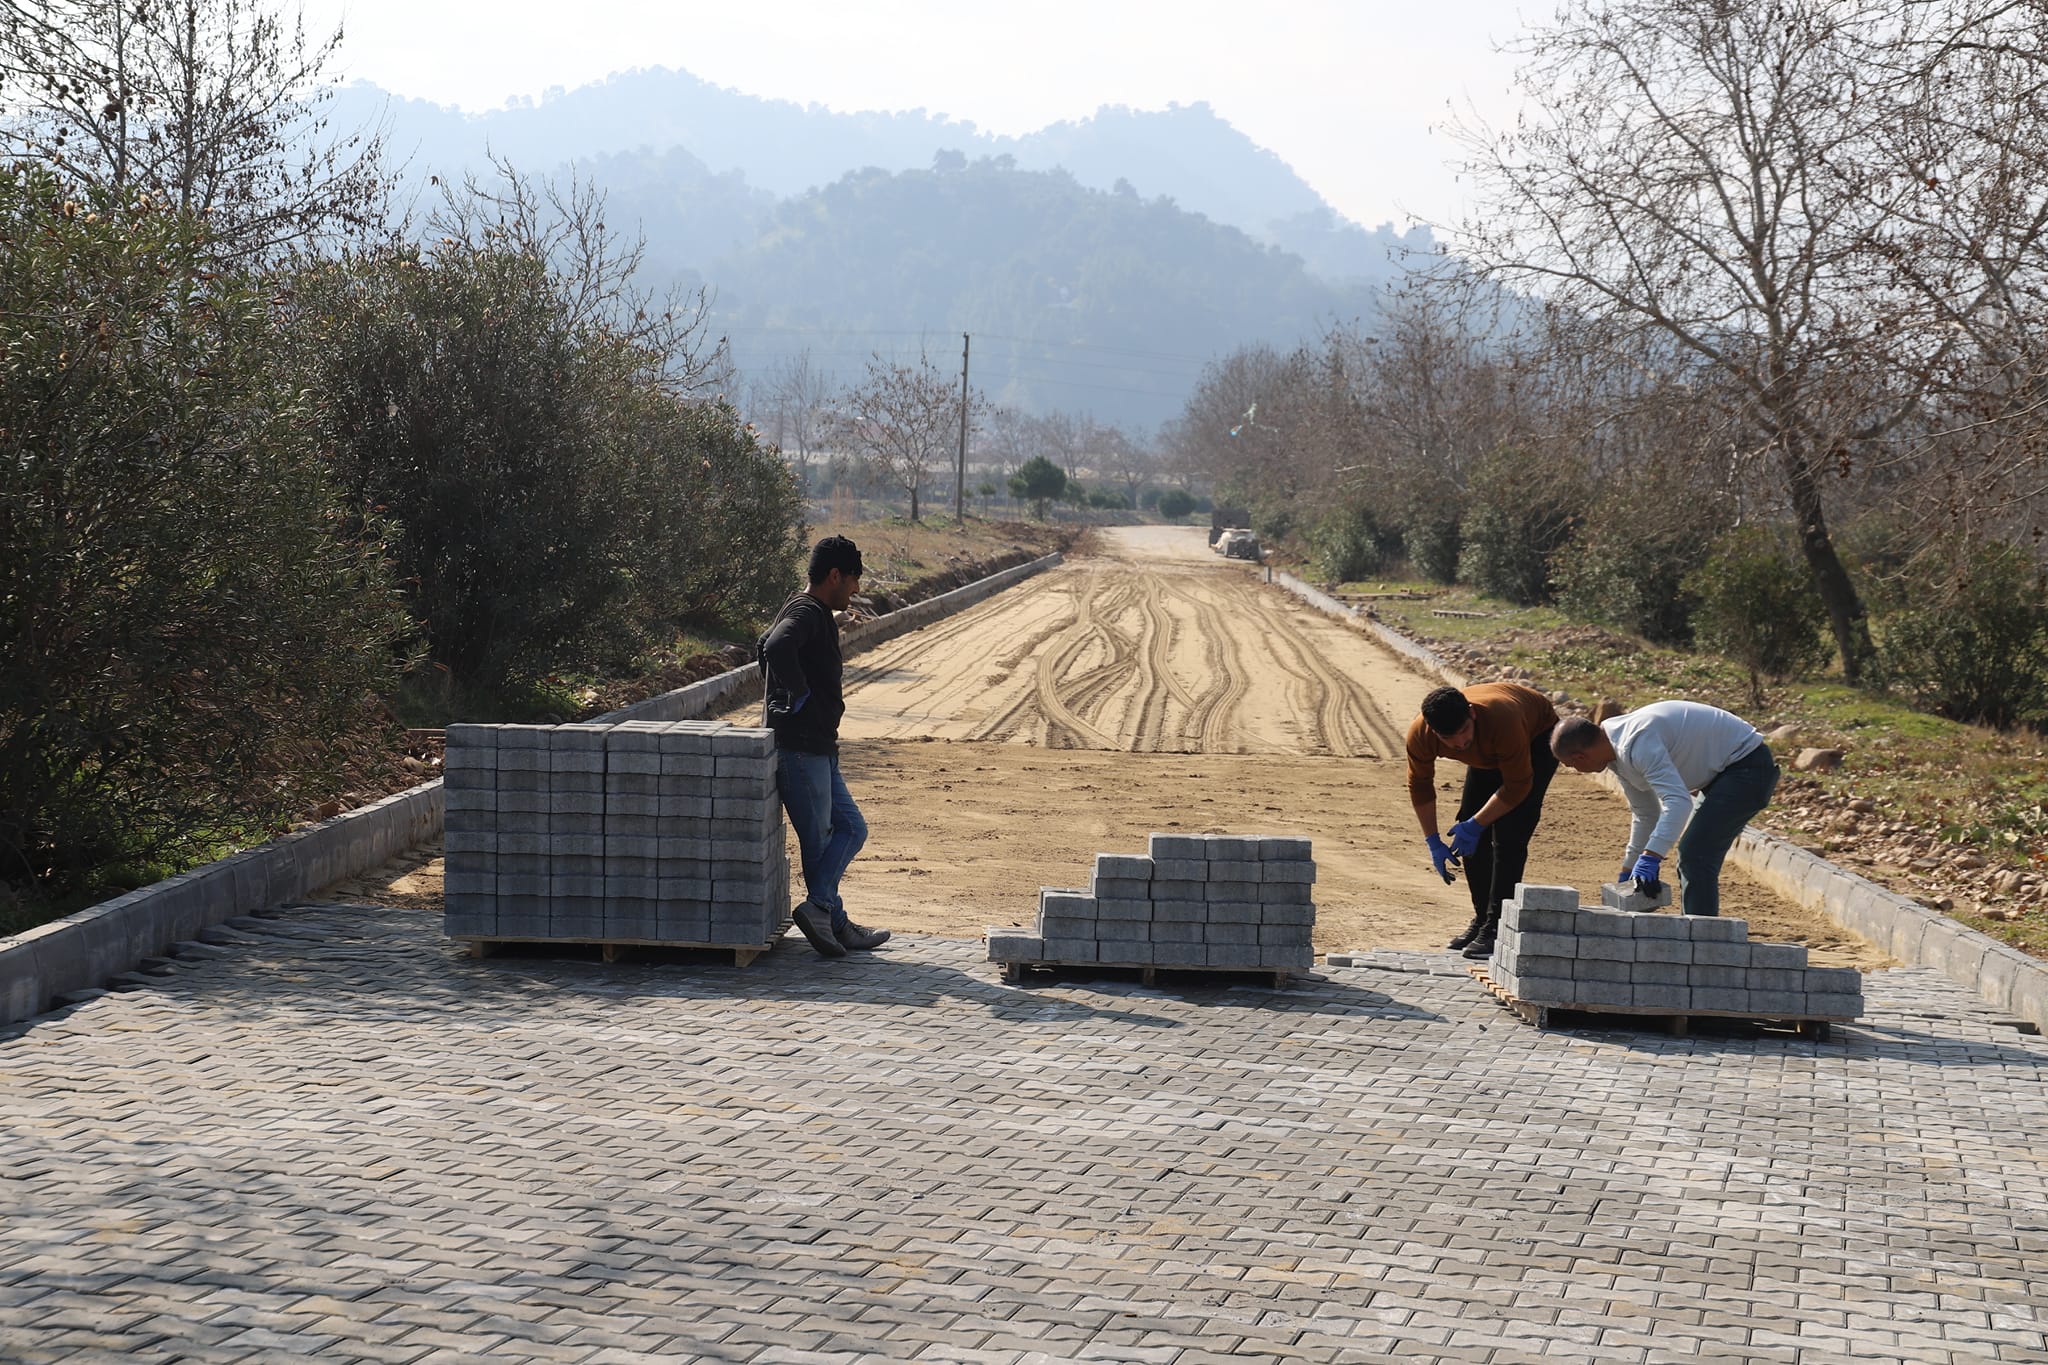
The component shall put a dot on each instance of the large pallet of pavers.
(664, 834)
(1622, 957)
(1215, 902)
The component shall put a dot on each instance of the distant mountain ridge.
(1099, 263)
(1187, 153)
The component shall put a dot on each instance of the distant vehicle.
(1222, 519)
(1238, 543)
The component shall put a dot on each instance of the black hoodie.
(799, 656)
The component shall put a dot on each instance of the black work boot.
(1470, 932)
(1481, 946)
(860, 940)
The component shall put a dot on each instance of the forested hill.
(1079, 299)
(1188, 153)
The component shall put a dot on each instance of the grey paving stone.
(1669, 950)
(1662, 995)
(1729, 998)
(1286, 848)
(1537, 919)
(1834, 1005)
(1624, 896)
(1185, 912)
(1232, 912)
(1012, 945)
(1178, 846)
(1833, 980)
(1716, 929)
(1607, 948)
(1180, 954)
(1175, 931)
(1602, 992)
(1545, 989)
(1180, 870)
(897, 1156)
(1540, 897)
(1122, 888)
(1069, 949)
(1713, 954)
(1053, 900)
(1179, 889)
(1768, 1004)
(1779, 956)
(1286, 893)
(1283, 935)
(1658, 926)
(1290, 913)
(1550, 945)
(1659, 974)
(1232, 848)
(1123, 867)
(1124, 930)
(1596, 969)
(1604, 924)
(1140, 910)
(1538, 964)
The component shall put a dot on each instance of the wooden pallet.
(742, 953)
(1013, 972)
(1461, 615)
(1815, 1026)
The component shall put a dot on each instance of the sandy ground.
(1153, 686)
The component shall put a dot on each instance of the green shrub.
(1351, 544)
(554, 501)
(1756, 604)
(1626, 565)
(1974, 643)
(1176, 503)
(1517, 515)
(188, 631)
(1038, 481)
(1432, 546)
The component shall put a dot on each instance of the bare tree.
(211, 106)
(1008, 437)
(1063, 438)
(1126, 460)
(563, 223)
(1739, 179)
(903, 420)
(798, 395)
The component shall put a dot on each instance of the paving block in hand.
(1624, 897)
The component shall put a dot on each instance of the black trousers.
(1492, 869)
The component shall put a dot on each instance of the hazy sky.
(1348, 93)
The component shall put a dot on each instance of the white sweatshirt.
(1663, 753)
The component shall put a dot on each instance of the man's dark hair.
(834, 552)
(1574, 735)
(1446, 710)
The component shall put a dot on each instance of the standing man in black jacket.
(800, 657)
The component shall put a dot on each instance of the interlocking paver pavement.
(337, 1139)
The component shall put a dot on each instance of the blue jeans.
(1724, 807)
(829, 828)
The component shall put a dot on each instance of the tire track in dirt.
(1225, 655)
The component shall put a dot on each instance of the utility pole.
(960, 473)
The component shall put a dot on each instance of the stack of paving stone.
(640, 832)
(1229, 901)
(1551, 951)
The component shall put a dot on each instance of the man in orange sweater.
(1501, 732)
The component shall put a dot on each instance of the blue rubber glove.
(1440, 854)
(1628, 870)
(1465, 837)
(798, 704)
(1648, 870)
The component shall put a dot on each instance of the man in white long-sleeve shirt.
(1663, 753)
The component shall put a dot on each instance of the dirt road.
(1152, 686)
